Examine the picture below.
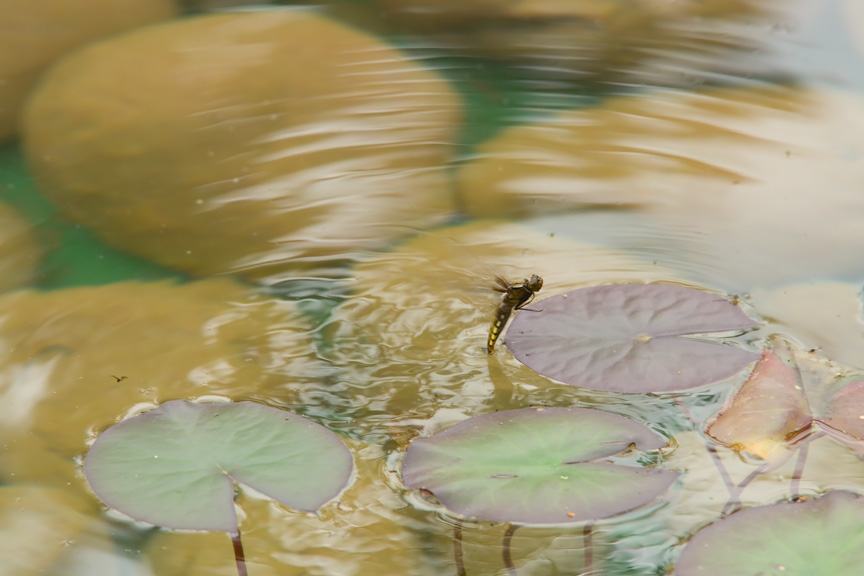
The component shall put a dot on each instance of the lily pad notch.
(632, 338)
(176, 465)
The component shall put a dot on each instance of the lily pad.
(176, 465)
(536, 466)
(628, 338)
(788, 393)
(823, 537)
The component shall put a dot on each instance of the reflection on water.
(320, 187)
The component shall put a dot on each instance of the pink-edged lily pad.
(823, 537)
(176, 466)
(787, 394)
(536, 466)
(631, 338)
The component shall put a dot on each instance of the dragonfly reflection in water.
(515, 297)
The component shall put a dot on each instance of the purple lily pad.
(176, 466)
(823, 537)
(536, 466)
(630, 338)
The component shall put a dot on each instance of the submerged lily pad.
(628, 338)
(788, 393)
(536, 466)
(823, 537)
(176, 465)
(769, 411)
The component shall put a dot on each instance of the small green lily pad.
(823, 537)
(176, 465)
(536, 466)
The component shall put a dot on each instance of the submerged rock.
(248, 142)
(745, 187)
(634, 42)
(411, 340)
(20, 251)
(76, 361)
(35, 34)
(822, 315)
(44, 530)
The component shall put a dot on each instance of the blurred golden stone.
(20, 251)
(820, 314)
(758, 186)
(656, 149)
(76, 361)
(437, 284)
(634, 41)
(250, 142)
(34, 33)
(411, 338)
(40, 528)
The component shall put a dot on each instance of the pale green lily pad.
(536, 466)
(176, 465)
(823, 537)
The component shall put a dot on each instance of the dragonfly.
(515, 296)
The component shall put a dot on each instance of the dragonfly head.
(535, 283)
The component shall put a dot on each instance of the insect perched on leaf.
(515, 297)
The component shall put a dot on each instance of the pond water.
(305, 207)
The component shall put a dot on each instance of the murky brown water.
(300, 207)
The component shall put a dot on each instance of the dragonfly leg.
(522, 305)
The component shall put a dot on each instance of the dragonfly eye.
(535, 283)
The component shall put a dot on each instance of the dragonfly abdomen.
(502, 314)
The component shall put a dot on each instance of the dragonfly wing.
(500, 285)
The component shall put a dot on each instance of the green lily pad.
(536, 466)
(176, 465)
(823, 537)
(628, 338)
